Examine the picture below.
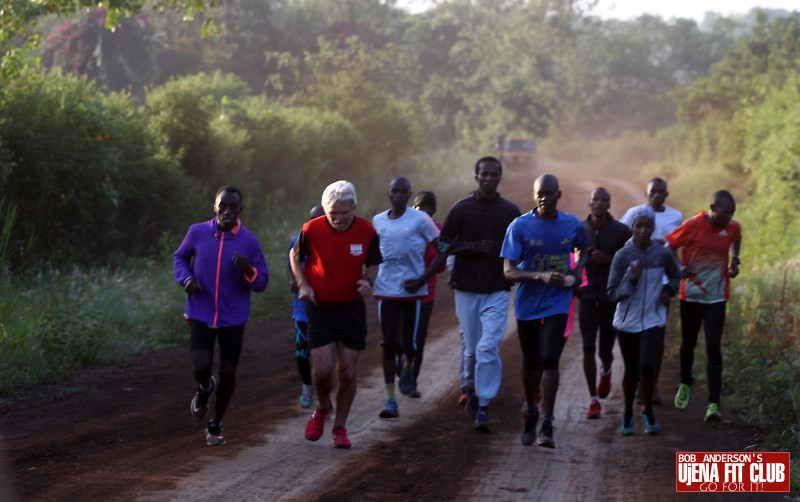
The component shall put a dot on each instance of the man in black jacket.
(473, 231)
(596, 310)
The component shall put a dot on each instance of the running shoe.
(414, 393)
(390, 410)
(712, 413)
(199, 404)
(406, 381)
(657, 399)
(682, 397)
(307, 397)
(594, 409)
(604, 387)
(214, 435)
(481, 421)
(529, 426)
(340, 438)
(638, 398)
(627, 426)
(472, 405)
(546, 435)
(650, 424)
(316, 424)
(462, 399)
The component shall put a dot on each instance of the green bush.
(191, 112)
(86, 174)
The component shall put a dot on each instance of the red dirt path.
(123, 431)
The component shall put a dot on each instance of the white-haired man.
(335, 261)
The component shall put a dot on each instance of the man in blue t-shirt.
(301, 325)
(536, 251)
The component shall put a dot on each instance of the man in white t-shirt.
(667, 220)
(401, 284)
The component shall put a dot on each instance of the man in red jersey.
(705, 241)
(335, 261)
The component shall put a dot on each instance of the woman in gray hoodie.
(635, 283)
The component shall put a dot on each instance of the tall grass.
(56, 322)
(762, 356)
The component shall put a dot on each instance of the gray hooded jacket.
(638, 306)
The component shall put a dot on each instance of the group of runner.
(621, 273)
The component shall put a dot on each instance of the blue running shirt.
(538, 245)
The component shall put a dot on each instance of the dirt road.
(123, 432)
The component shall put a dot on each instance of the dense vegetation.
(112, 142)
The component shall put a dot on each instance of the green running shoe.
(712, 413)
(682, 397)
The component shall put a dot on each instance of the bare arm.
(514, 274)
(304, 290)
(366, 285)
(412, 285)
(733, 269)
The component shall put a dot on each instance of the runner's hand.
(191, 286)
(364, 288)
(552, 278)
(635, 270)
(243, 264)
(486, 247)
(601, 257)
(413, 285)
(306, 293)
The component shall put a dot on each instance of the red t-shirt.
(335, 261)
(705, 250)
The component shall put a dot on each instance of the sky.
(631, 9)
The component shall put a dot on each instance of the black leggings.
(202, 343)
(639, 353)
(400, 324)
(712, 317)
(594, 316)
(542, 341)
(425, 311)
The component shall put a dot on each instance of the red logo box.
(732, 472)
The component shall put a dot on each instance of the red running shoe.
(462, 400)
(340, 438)
(594, 409)
(604, 387)
(316, 424)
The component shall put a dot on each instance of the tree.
(18, 20)
(350, 78)
(126, 58)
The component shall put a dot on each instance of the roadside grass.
(58, 321)
(762, 357)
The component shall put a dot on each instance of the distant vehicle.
(517, 151)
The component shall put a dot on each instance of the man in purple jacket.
(218, 263)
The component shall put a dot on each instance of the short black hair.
(425, 197)
(723, 195)
(657, 180)
(488, 158)
(229, 189)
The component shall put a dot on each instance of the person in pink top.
(426, 201)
